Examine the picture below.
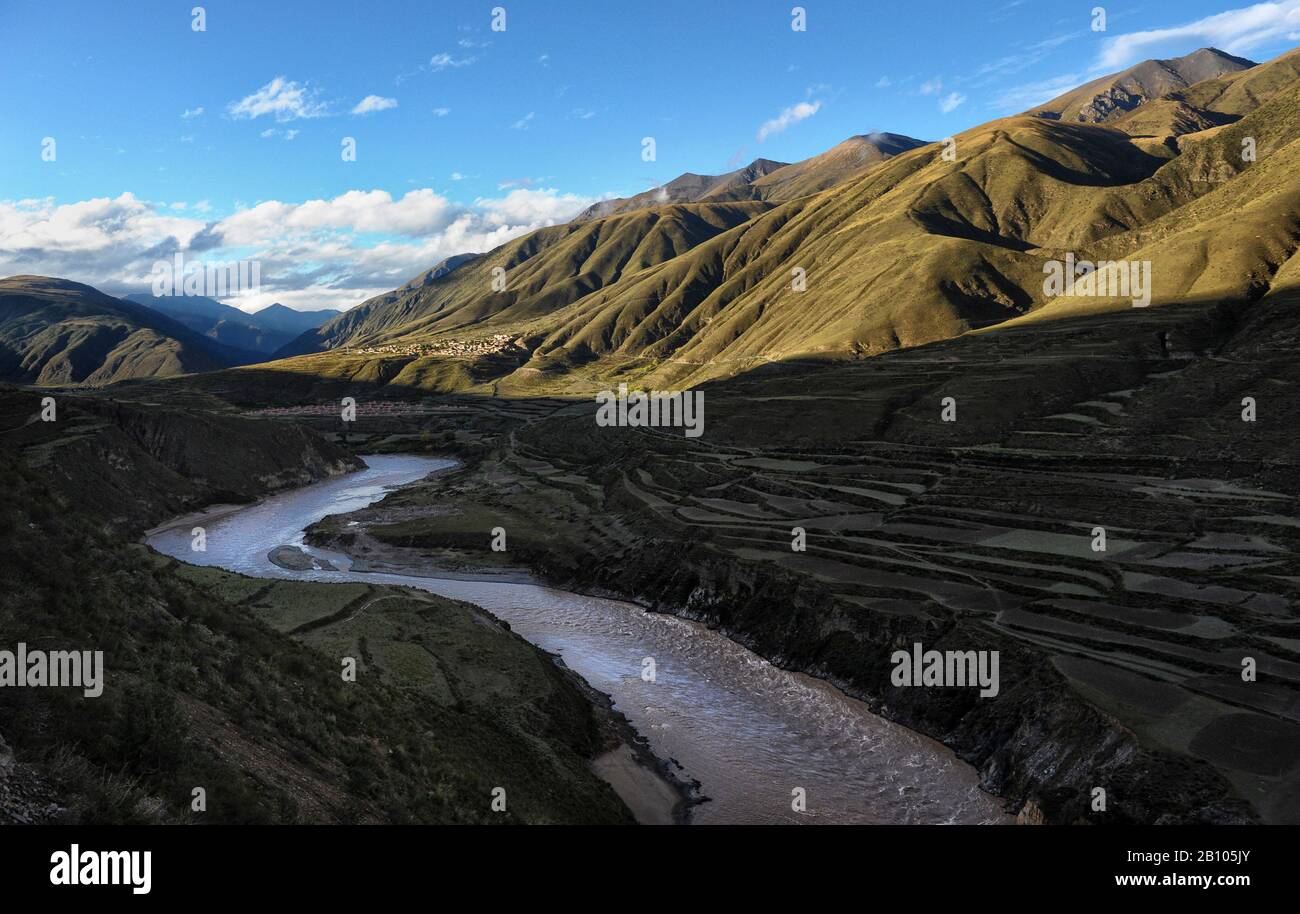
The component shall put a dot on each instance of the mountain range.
(880, 243)
(57, 332)
(262, 332)
(895, 243)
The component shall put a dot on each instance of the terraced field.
(973, 533)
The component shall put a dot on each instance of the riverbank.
(1052, 735)
(818, 727)
(380, 623)
(288, 701)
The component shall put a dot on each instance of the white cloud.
(441, 112)
(445, 61)
(932, 87)
(103, 239)
(333, 253)
(523, 122)
(283, 99)
(419, 212)
(190, 113)
(524, 206)
(372, 103)
(788, 116)
(951, 102)
(1235, 31)
(884, 82)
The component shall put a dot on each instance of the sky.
(128, 134)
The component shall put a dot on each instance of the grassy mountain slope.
(56, 332)
(834, 166)
(918, 247)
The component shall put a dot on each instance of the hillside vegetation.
(55, 332)
(232, 684)
(912, 246)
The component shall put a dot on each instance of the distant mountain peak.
(765, 179)
(1112, 96)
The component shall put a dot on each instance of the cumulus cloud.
(524, 206)
(282, 99)
(332, 252)
(419, 212)
(372, 103)
(932, 86)
(106, 240)
(190, 113)
(787, 117)
(1235, 31)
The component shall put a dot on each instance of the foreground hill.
(57, 332)
(227, 682)
(923, 245)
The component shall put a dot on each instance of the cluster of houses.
(484, 346)
(364, 408)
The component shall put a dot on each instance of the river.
(749, 732)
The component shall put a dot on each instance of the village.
(498, 342)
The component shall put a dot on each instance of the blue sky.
(228, 140)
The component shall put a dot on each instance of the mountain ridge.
(56, 331)
(915, 248)
(262, 332)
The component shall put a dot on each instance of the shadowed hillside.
(1122, 667)
(232, 683)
